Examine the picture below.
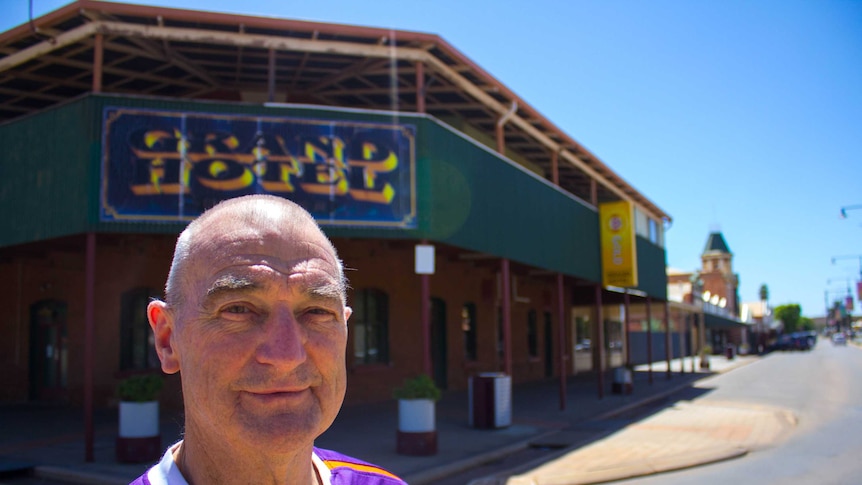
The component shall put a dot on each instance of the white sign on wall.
(424, 259)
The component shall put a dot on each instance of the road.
(823, 388)
(817, 389)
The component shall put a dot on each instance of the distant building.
(714, 290)
(720, 284)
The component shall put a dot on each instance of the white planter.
(139, 419)
(416, 415)
(622, 375)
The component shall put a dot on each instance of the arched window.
(136, 338)
(370, 325)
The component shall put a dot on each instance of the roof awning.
(720, 322)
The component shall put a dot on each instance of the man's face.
(260, 336)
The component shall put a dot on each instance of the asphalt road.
(823, 388)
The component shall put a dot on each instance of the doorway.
(438, 342)
(549, 345)
(49, 351)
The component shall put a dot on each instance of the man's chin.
(282, 432)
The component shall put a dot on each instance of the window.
(370, 322)
(641, 223)
(468, 326)
(532, 334)
(649, 228)
(137, 351)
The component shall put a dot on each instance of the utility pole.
(850, 256)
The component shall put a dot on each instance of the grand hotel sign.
(171, 166)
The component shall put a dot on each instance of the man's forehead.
(254, 260)
(303, 277)
(285, 239)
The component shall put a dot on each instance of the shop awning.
(721, 322)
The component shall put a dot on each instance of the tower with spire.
(717, 273)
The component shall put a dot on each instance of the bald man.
(255, 319)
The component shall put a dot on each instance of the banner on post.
(619, 252)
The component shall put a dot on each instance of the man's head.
(255, 321)
(258, 209)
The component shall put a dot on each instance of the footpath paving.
(685, 435)
(596, 440)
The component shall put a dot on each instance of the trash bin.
(490, 400)
(729, 352)
(622, 381)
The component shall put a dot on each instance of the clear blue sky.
(740, 115)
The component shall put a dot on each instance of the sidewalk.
(51, 439)
(685, 435)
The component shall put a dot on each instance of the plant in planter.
(140, 388)
(417, 433)
(623, 379)
(420, 387)
(704, 357)
(139, 437)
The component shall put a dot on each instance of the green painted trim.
(467, 195)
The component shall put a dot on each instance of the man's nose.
(283, 340)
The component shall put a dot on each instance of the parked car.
(783, 342)
(804, 340)
(838, 338)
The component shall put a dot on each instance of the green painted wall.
(467, 195)
(481, 202)
(47, 179)
(652, 275)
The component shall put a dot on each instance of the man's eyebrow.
(231, 283)
(329, 290)
(325, 289)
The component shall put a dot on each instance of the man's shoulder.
(348, 470)
(141, 480)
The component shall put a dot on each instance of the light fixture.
(849, 207)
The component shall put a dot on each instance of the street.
(815, 389)
(822, 388)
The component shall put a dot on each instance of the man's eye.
(318, 311)
(236, 309)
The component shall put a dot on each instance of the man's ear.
(347, 312)
(162, 323)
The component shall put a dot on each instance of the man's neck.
(205, 463)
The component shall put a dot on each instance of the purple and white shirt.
(332, 468)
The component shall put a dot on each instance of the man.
(255, 319)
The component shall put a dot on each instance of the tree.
(790, 315)
(764, 292)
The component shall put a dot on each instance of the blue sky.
(744, 116)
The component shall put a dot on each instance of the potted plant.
(623, 383)
(139, 438)
(704, 357)
(417, 432)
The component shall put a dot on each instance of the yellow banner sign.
(619, 253)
